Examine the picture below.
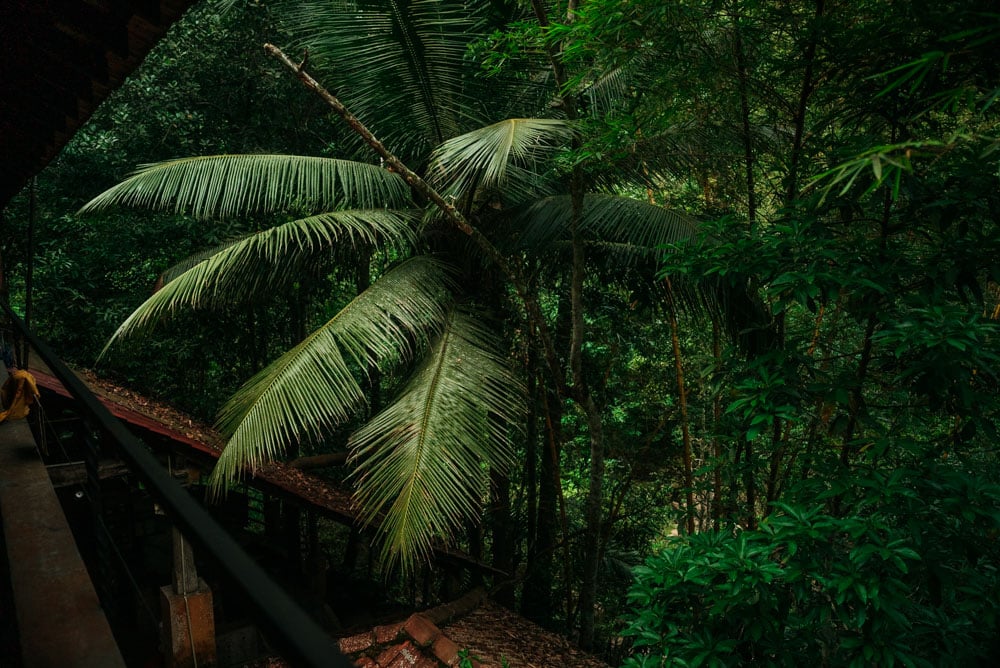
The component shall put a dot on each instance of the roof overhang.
(59, 59)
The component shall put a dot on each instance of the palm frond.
(263, 261)
(508, 156)
(420, 462)
(633, 228)
(225, 186)
(311, 389)
(402, 67)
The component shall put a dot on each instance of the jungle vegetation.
(684, 313)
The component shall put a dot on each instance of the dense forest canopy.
(695, 300)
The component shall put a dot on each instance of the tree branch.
(451, 214)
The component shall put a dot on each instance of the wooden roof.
(58, 60)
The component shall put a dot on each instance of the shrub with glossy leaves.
(908, 578)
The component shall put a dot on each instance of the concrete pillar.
(188, 618)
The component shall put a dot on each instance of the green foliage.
(817, 182)
(888, 586)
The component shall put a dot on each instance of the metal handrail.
(297, 636)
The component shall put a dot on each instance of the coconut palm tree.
(420, 466)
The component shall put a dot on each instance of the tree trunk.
(531, 455)
(718, 502)
(536, 599)
(584, 398)
(743, 88)
(685, 422)
(474, 530)
(503, 536)
(591, 542)
(799, 122)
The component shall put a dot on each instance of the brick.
(387, 633)
(356, 643)
(408, 657)
(421, 630)
(446, 650)
(388, 655)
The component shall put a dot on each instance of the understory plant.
(908, 577)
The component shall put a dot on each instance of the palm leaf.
(400, 65)
(237, 185)
(420, 463)
(263, 261)
(311, 389)
(508, 156)
(632, 228)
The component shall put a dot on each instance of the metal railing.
(296, 636)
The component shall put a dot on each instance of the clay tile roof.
(495, 634)
(416, 643)
(489, 634)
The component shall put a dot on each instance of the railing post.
(188, 619)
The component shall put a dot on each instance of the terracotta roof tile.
(387, 633)
(407, 656)
(446, 650)
(421, 629)
(357, 643)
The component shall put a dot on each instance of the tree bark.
(743, 89)
(503, 536)
(799, 121)
(682, 394)
(718, 502)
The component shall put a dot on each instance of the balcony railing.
(296, 636)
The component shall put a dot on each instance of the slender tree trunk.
(529, 603)
(682, 395)
(474, 530)
(503, 535)
(531, 456)
(536, 600)
(718, 502)
(750, 482)
(593, 513)
(595, 428)
(857, 392)
(743, 89)
(778, 452)
(799, 122)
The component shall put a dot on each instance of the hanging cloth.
(17, 395)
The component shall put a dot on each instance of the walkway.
(59, 617)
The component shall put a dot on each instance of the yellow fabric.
(17, 395)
